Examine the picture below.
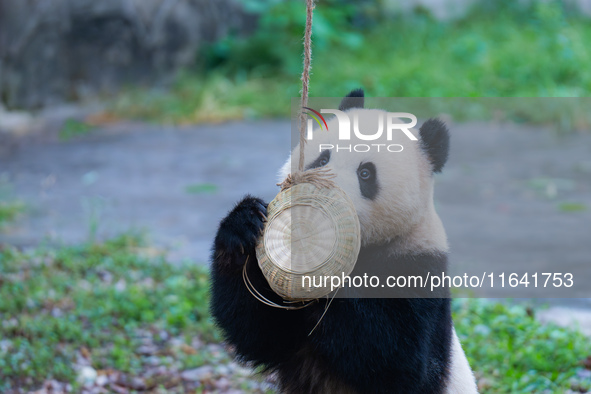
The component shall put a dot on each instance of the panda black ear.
(435, 142)
(355, 99)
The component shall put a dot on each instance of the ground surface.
(511, 195)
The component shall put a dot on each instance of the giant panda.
(360, 345)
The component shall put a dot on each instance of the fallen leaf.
(85, 352)
(188, 349)
(101, 118)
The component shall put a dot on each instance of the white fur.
(403, 212)
(460, 379)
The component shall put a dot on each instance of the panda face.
(392, 191)
(366, 174)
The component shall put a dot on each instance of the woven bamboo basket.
(310, 231)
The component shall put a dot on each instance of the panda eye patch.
(368, 182)
(320, 161)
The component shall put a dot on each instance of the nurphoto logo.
(391, 122)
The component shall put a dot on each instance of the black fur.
(239, 231)
(257, 331)
(390, 345)
(355, 99)
(435, 142)
(368, 187)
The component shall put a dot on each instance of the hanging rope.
(320, 177)
(290, 181)
(306, 77)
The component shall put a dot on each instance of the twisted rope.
(306, 77)
(319, 177)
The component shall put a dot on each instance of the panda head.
(392, 191)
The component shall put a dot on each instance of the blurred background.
(128, 129)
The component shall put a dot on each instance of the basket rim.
(345, 249)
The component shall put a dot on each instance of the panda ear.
(355, 99)
(435, 142)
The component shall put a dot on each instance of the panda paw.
(239, 232)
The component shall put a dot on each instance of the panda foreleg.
(238, 234)
(261, 334)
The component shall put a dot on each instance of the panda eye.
(320, 161)
(364, 174)
(367, 175)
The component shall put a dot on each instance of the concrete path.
(501, 196)
(175, 183)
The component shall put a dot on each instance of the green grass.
(10, 206)
(73, 128)
(572, 207)
(511, 352)
(102, 300)
(201, 188)
(9, 210)
(494, 52)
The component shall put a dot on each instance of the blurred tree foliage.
(277, 43)
(344, 25)
(497, 49)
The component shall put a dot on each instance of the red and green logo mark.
(316, 118)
